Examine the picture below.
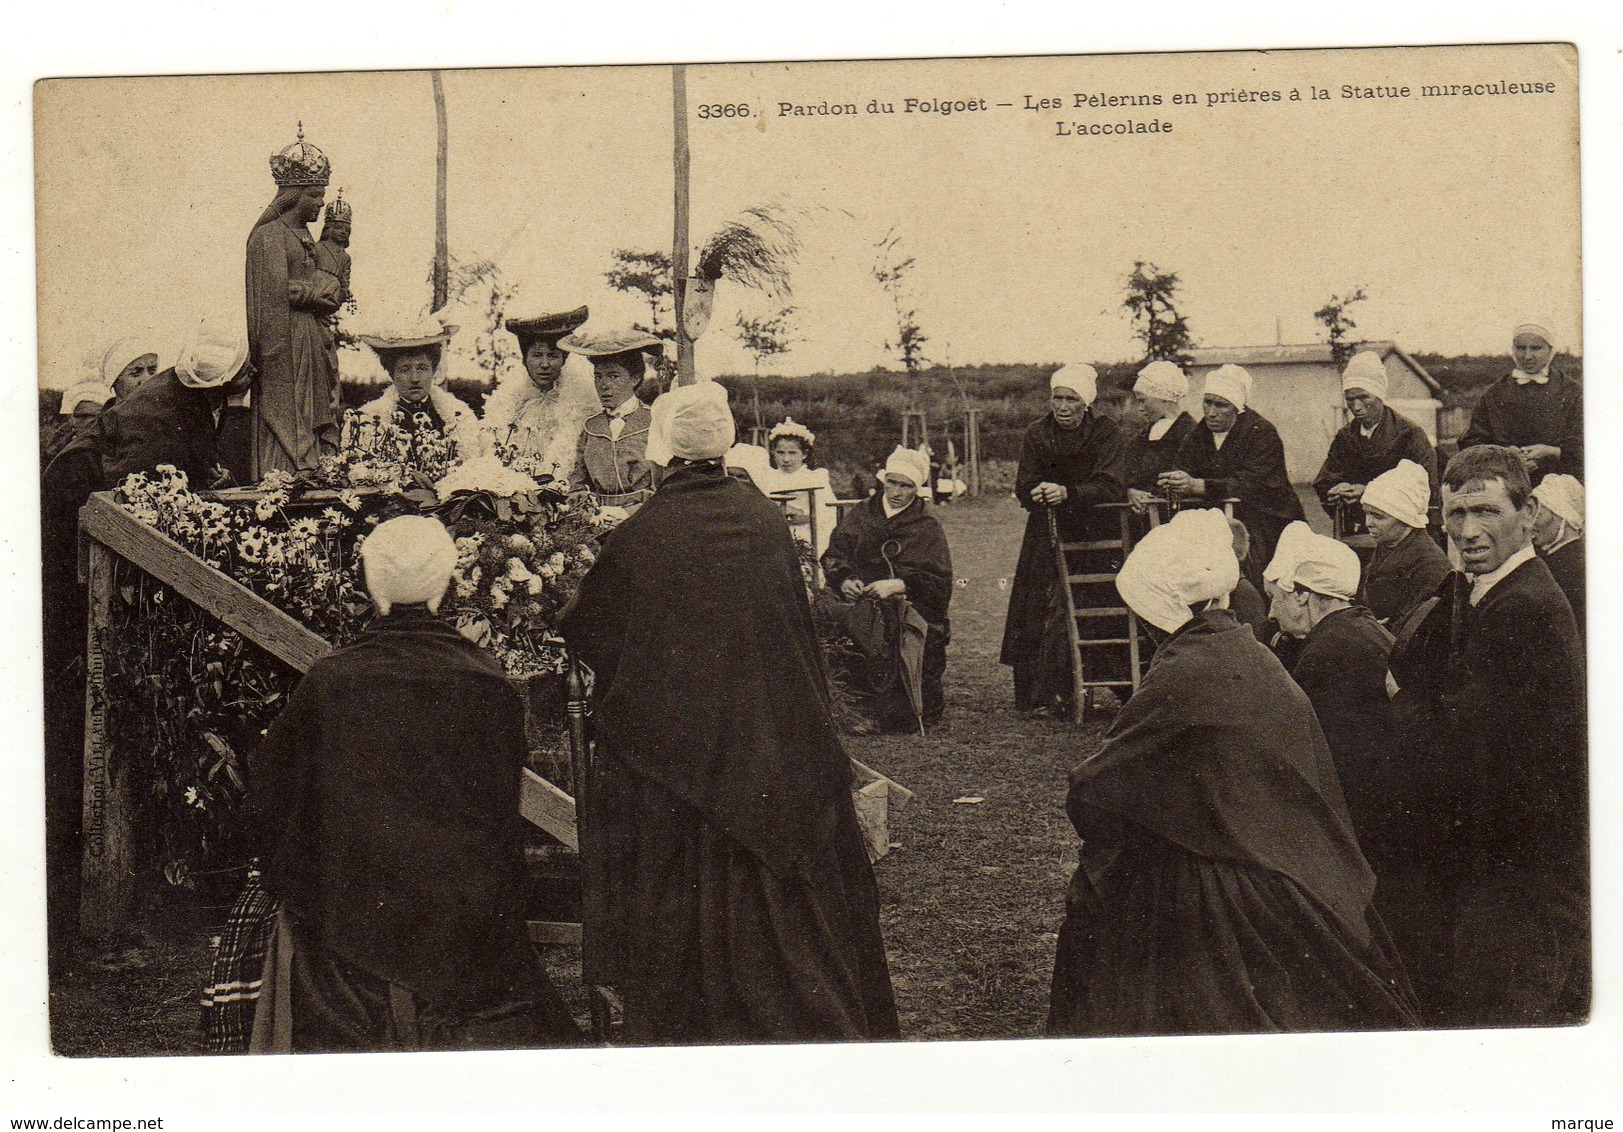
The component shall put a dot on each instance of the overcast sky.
(1458, 215)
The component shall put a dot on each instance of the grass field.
(972, 896)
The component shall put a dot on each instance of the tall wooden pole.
(442, 251)
(685, 373)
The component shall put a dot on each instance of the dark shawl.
(1249, 467)
(1342, 668)
(385, 801)
(1147, 459)
(708, 677)
(1088, 461)
(1357, 459)
(1514, 415)
(726, 888)
(1221, 888)
(1250, 608)
(1567, 567)
(288, 299)
(1401, 576)
(923, 560)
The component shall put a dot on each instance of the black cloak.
(1220, 888)
(727, 889)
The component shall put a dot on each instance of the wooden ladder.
(1076, 612)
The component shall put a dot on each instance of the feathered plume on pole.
(754, 250)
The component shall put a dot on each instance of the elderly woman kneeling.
(1220, 888)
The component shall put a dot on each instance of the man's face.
(543, 361)
(1067, 406)
(1220, 414)
(309, 203)
(1385, 530)
(1484, 524)
(615, 383)
(899, 491)
(414, 377)
(1531, 352)
(1289, 609)
(1364, 406)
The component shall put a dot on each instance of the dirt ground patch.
(972, 898)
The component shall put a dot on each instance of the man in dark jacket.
(1236, 453)
(1498, 668)
(385, 801)
(726, 887)
(1070, 464)
(1372, 442)
(887, 548)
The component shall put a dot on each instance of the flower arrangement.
(390, 454)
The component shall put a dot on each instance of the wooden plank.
(548, 807)
(899, 794)
(553, 932)
(196, 581)
(107, 888)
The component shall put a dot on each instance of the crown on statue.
(300, 164)
(337, 211)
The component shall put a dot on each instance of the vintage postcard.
(951, 550)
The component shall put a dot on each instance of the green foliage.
(1151, 298)
(649, 275)
(1339, 325)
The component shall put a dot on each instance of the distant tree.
(1151, 302)
(891, 270)
(764, 337)
(478, 284)
(1339, 324)
(649, 275)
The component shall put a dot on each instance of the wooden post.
(442, 250)
(972, 448)
(107, 888)
(685, 372)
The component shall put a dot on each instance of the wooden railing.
(108, 532)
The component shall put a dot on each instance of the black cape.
(1514, 415)
(1355, 458)
(1249, 467)
(1567, 567)
(1221, 889)
(1147, 459)
(1342, 668)
(727, 889)
(921, 558)
(1400, 577)
(385, 804)
(1088, 460)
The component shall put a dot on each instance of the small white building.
(1298, 388)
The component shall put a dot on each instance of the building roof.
(1307, 353)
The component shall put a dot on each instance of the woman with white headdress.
(1071, 462)
(1236, 453)
(1159, 390)
(127, 364)
(1536, 408)
(1372, 441)
(1220, 887)
(1558, 529)
(538, 411)
(790, 443)
(1406, 566)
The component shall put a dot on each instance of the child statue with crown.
(290, 299)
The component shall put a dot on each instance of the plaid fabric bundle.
(235, 978)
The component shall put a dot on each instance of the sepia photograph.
(903, 551)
